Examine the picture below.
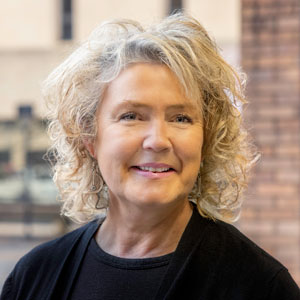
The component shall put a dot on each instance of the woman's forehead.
(138, 84)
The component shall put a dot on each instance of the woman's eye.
(129, 116)
(183, 119)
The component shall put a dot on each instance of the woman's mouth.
(153, 172)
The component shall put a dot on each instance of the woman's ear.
(89, 144)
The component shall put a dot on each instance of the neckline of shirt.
(127, 263)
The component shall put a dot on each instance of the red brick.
(286, 176)
(288, 228)
(284, 37)
(279, 215)
(261, 226)
(290, 125)
(292, 203)
(264, 124)
(288, 255)
(274, 50)
(287, 100)
(275, 139)
(291, 151)
(275, 188)
(251, 3)
(278, 112)
(273, 89)
(279, 61)
(247, 213)
(248, 37)
(267, 150)
(269, 8)
(276, 241)
(264, 175)
(270, 57)
(271, 164)
(289, 75)
(288, 23)
(261, 203)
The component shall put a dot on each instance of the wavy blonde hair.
(75, 88)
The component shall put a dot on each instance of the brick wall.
(271, 59)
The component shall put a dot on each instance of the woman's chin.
(155, 199)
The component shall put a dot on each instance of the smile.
(155, 170)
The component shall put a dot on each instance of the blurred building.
(36, 35)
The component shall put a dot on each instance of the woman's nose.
(156, 137)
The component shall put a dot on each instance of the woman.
(146, 130)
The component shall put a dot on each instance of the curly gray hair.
(75, 88)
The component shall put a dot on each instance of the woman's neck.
(139, 232)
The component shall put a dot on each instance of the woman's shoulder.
(56, 248)
(227, 243)
(242, 258)
(224, 260)
(235, 246)
(42, 265)
(49, 256)
(229, 252)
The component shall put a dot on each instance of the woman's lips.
(154, 175)
(154, 165)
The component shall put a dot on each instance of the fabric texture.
(100, 271)
(213, 261)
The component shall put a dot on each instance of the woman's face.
(149, 137)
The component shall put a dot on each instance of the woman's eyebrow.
(137, 104)
(133, 103)
(181, 107)
(128, 104)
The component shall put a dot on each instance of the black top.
(100, 271)
(213, 261)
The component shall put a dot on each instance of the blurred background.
(260, 37)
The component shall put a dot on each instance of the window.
(4, 156)
(5, 167)
(35, 158)
(25, 111)
(175, 5)
(66, 19)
